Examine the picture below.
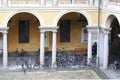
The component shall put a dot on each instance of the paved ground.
(85, 73)
(112, 74)
(79, 74)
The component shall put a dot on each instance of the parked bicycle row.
(67, 59)
(64, 59)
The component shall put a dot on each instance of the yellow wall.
(34, 34)
(3, 16)
(103, 18)
(75, 37)
(75, 34)
(94, 16)
(48, 16)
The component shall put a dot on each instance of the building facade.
(59, 24)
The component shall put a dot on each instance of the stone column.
(42, 48)
(55, 2)
(89, 46)
(54, 49)
(106, 50)
(101, 47)
(5, 53)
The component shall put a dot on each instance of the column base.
(5, 68)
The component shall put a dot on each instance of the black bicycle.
(26, 65)
(92, 62)
(115, 65)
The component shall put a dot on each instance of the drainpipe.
(98, 33)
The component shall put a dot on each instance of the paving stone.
(112, 74)
(37, 75)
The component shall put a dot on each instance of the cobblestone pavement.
(51, 74)
(113, 74)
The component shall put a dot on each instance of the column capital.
(92, 29)
(54, 31)
(3, 29)
(106, 30)
(42, 31)
(47, 29)
(5, 32)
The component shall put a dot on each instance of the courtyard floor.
(37, 75)
(112, 74)
(86, 73)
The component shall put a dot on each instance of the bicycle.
(26, 65)
(61, 61)
(83, 63)
(38, 65)
(92, 62)
(115, 65)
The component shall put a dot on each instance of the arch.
(34, 13)
(87, 16)
(113, 22)
(110, 18)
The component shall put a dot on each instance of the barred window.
(23, 31)
(84, 37)
(65, 31)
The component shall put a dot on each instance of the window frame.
(62, 30)
(84, 36)
(23, 26)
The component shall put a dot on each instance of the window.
(84, 38)
(23, 31)
(1, 35)
(65, 31)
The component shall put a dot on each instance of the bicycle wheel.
(92, 65)
(83, 64)
(42, 66)
(29, 66)
(54, 65)
(36, 66)
(112, 67)
(24, 67)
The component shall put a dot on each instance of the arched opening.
(114, 40)
(23, 32)
(72, 37)
(23, 36)
(72, 31)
